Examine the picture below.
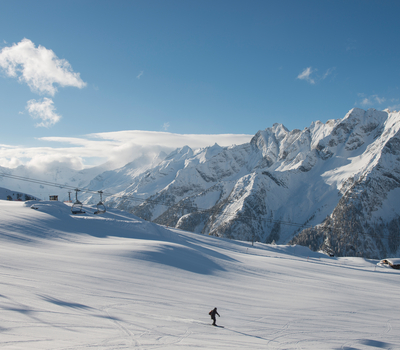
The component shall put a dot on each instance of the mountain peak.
(333, 184)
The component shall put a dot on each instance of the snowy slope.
(118, 282)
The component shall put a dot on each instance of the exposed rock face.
(330, 186)
(365, 221)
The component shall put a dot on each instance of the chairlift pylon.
(101, 208)
(77, 206)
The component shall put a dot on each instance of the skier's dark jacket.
(213, 312)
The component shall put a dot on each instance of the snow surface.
(118, 282)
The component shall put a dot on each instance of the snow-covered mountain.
(331, 186)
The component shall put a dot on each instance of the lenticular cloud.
(38, 67)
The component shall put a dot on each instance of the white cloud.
(148, 138)
(38, 67)
(10, 162)
(310, 75)
(328, 72)
(306, 75)
(43, 110)
(371, 100)
(118, 148)
(394, 108)
(378, 99)
(140, 74)
(366, 102)
(47, 162)
(166, 126)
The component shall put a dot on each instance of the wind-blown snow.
(118, 282)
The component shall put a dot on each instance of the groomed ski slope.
(117, 282)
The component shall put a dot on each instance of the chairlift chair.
(77, 206)
(101, 208)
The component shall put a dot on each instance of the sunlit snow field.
(117, 282)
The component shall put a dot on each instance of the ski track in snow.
(116, 282)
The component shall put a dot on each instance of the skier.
(212, 313)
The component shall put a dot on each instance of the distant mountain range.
(332, 187)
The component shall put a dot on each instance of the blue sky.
(190, 67)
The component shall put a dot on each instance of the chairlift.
(101, 208)
(77, 206)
